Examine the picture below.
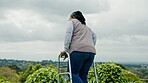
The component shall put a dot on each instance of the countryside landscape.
(33, 33)
(17, 71)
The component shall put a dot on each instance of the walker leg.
(95, 72)
(59, 71)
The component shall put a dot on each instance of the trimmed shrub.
(44, 75)
(108, 73)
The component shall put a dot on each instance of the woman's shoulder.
(74, 20)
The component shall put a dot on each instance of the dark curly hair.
(78, 15)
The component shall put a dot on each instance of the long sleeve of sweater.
(68, 35)
(94, 37)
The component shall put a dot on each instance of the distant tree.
(44, 62)
(24, 75)
(9, 74)
(15, 67)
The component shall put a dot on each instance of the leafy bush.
(91, 77)
(7, 74)
(30, 70)
(24, 75)
(108, 73)
(112, 73)
(131, 77)
(44, 75)
(3, 79)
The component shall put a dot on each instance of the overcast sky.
(35, 29)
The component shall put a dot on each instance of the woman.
(80, 44)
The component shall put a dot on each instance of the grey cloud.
(123, 18)
(110, 24)
(121, 27)
(11, 33)
(56, 12)
(61, 7)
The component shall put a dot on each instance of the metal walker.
(70, 73)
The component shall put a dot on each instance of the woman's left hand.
(64, 54)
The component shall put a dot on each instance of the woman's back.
(82, 38)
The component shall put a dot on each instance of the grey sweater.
(82, 38)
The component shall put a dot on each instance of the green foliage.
(15, 67)
(3, 79)
(7, 74)
(108, 73)
(7, 82)
(23, 64)
(140, 72)
(29, 71)
(91, 77)
(131, 77)
(24, 75)
(112, 73)
(123, 67)
(37, 66)
(44, 75)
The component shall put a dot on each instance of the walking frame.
(70, 72)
